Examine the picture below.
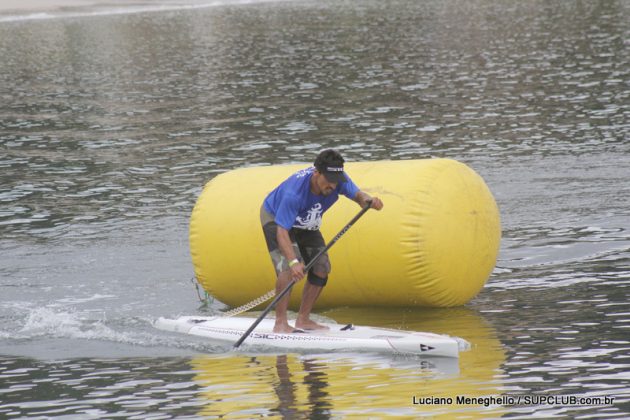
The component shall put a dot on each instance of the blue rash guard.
(293, 205)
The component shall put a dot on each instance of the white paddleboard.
(338, 338)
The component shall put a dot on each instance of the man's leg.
(309, 297)
(282, 323)
(311, 244)
(281, 267)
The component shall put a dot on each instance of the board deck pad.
(340, 337)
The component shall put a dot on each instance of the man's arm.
(362, 198)
(286, 248)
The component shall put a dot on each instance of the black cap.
(330, 164)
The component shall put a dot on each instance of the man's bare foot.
(283, 328)
(309, 325)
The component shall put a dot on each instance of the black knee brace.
(315, 280)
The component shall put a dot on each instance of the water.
(112, 122)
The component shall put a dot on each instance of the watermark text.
(514, 399)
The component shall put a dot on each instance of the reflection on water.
(332, 385)
(323, 386)
(286, 385)
(111, 124)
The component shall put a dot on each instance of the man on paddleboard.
(291, 216)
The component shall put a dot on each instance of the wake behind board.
(338, 338)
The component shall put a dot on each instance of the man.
(291, 216)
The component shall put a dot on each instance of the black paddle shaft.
(308, 267)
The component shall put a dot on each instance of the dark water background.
(110, 124)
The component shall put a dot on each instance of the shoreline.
(33, 6)
(16, 10)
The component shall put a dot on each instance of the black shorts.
(306, 245)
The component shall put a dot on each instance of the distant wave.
(122, 10)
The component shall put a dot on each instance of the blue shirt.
(294, 205)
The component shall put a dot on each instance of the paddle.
(308, 267)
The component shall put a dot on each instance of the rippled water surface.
(110, 124)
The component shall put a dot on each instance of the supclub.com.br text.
(509, 399)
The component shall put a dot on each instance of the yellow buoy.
(434, 244)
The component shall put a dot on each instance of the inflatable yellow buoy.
(435, 243)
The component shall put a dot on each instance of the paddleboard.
(338, 338)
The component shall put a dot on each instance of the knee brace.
(316, 280)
